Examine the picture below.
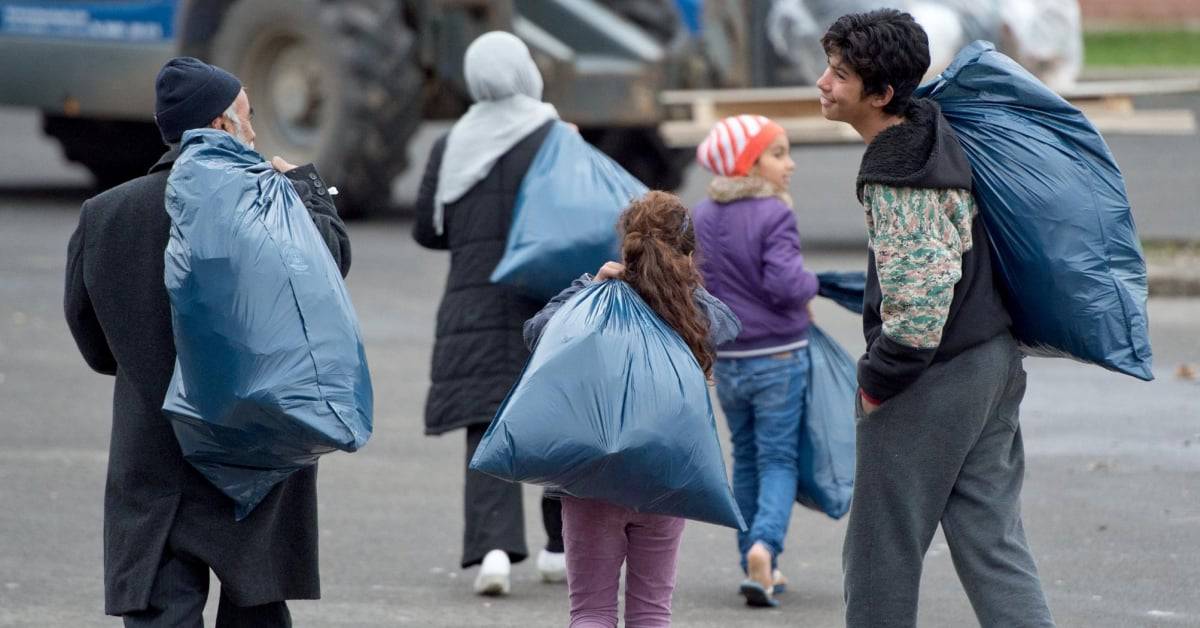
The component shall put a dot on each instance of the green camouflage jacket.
(919, 236)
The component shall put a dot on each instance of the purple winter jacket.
(749, 252)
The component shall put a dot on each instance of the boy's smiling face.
(842, 93)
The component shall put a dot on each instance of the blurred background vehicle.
(346, 83)
(341, 83)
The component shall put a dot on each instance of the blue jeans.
(763, 399)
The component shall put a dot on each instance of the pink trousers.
(599, 537)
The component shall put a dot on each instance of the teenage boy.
(941, 381)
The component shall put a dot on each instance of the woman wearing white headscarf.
(465, 205)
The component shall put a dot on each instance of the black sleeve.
(313, 192)
(423, 231)
(77, 306)
(532, 331)
(888, 367)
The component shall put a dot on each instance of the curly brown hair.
(657, 242)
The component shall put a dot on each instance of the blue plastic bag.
(270, 372)
(565, 217)
(1056, 211)
(826, 461)
(846, 288)
(613, 406)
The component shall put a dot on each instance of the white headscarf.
(507, 88)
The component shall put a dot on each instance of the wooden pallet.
(1108, 104)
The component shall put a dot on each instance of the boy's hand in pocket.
(867, 405)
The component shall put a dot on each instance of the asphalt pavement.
(1111, 501)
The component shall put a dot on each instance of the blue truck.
(343, 83)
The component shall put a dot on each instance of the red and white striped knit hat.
(734, 144)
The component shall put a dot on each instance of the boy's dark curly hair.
(884, 47)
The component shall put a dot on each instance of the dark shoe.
(757, 595)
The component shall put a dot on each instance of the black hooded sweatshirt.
(923, 152)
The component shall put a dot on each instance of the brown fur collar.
(730, 189)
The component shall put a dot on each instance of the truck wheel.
(115, 151)
(642, 152)
(335, 83)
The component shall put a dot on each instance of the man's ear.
(881, 100)
(218, 123)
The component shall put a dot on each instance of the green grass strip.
(1142, 48)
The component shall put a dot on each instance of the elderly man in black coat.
(165, 526)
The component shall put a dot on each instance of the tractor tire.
(335, 83)
(115, 151)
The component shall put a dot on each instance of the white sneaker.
(493, 578)
(552, 566)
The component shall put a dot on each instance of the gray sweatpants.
(946, 450)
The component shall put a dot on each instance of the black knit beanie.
(189, 94)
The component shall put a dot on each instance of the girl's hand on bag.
(610, 270)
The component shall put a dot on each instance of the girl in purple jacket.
(751, 261)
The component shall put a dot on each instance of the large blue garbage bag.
(270, 372)
(827, 434)
(613, 406)
(846, 288)
(565, 218)
(1056, 211)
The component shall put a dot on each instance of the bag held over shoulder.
(613, 406)
(565, 218)
(1056, 211)
(270, 372)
